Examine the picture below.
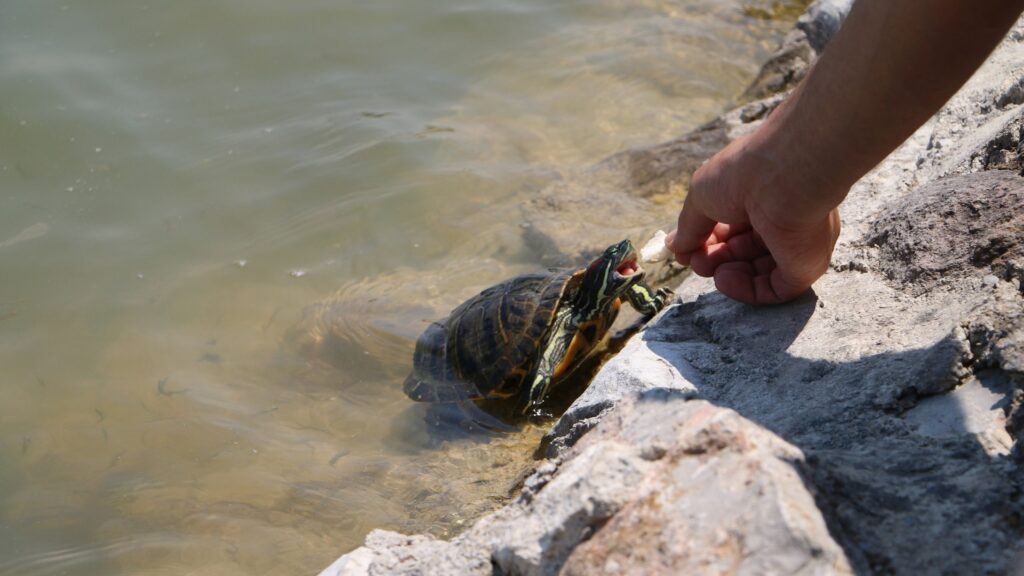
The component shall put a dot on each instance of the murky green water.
(179, 181)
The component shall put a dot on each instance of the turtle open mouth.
(628, 267)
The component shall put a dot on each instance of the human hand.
(760, 216)
(763, 231)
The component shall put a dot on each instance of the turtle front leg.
(551, 356)
(647, 301)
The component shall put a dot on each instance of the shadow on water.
(441, 423)
(896, 462)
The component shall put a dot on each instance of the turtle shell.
(489, 345)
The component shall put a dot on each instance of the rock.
(997, 342)
(801, 47)
(980, 127)
(855, 376)
(639, 367)
(390, 553)
(976, 408)
(663, 485)
(722, 496)
(662, 172)
(352, 564)
(822, 20)
(651, 170)
(953, 228)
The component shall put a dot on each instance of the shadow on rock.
(910, 478)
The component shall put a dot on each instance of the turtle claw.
(664, 295)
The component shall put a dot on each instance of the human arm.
(760, 215)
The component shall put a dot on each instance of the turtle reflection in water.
(510, 344)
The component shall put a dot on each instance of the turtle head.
(610, 275)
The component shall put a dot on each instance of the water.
(179, 182)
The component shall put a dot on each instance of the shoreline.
(870, 426)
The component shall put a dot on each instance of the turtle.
(514, 341)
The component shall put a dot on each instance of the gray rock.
(639, 367)
(997, 341)
(822, 20)
(663, 485)
(980, 127)
(977, 408)
(801, 47)
(953, 228)
(856, 375)
(722, 496)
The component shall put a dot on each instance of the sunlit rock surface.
(664, 485)
(871, 426)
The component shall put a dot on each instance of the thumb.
(692, 231)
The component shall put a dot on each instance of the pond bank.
(869, 427)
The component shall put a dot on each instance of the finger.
(742, 246)
(786, 286)
(806, 259)
(703, 262)
(745, 246)
(758, 241)
(670, 240)
(741, 281)
(692, 231)
(723, 231)
(835, 226)
(764, 265)
(736, 280)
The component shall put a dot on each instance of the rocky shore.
(869, 427)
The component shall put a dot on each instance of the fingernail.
(670, 238)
